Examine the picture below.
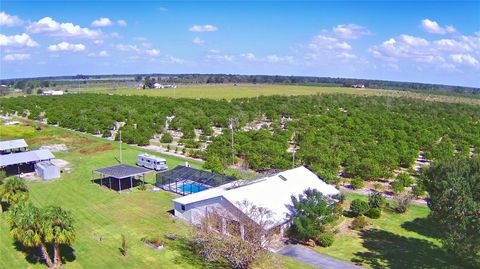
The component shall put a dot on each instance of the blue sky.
(424, 41)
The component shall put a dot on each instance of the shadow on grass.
(389, 250)
(68, 253)
(34, 256)
(188, 254)
(117, 184)
(424, 226)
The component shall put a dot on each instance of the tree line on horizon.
(28, 83)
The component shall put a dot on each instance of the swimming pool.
(191, 188)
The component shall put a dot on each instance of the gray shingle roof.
(25, 157)
(122, 171)
(12, 144)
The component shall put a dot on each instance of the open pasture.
(229, 91)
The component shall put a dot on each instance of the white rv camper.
(152, 162)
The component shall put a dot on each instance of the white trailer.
(152, 162)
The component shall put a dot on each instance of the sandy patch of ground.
(62, 164)
(55, 147)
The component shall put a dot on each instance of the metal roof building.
(8, 145)
(273, 193)
(120, 172)
(25, 157)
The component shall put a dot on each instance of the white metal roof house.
(273, 193)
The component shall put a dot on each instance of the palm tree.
(26, 227)
(57, 226)
(14, 191)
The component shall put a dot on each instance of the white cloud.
(102, 22)
(351, 31)
(217, 55)
(175, 60)
(9, 20)
(102, 53)
(17, 41)
(249, 56)
(443, 53)
(50, 27)
(115, 35)
(433, 27)
(323, 42)
(65, 46)
(347, 56)
(98, 42)
(413, 41)
(152, 52)
(466, 59)
(203, 28)
(122, 23)
(277, 59)
(198, 41)
(123, 47)
(16, 57)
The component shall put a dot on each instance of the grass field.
(102, 215)
(220, 91)
(406, 240)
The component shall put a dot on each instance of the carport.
(119, 173)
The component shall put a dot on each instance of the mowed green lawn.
(228, 91)
(394, 240)
(101, 215)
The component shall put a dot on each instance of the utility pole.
(294, 150)
(120, 133)
(232, 150)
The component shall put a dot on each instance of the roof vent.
(282, 177)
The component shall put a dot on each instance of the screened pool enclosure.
(187, 180)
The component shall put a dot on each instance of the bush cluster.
(374, 213)
(324, 239)
(357, 183)
(359, 223)
(359, 207)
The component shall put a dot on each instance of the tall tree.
(454, 188)
(312, 211)
(14, 191)
(26, 226)
(58, 229)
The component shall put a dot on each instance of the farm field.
(102, 215)
(394, 240)
(228, 91)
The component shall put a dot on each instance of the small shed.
(47, 170)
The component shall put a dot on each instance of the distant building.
(51, 92)
(358, 86)
(163, 86)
